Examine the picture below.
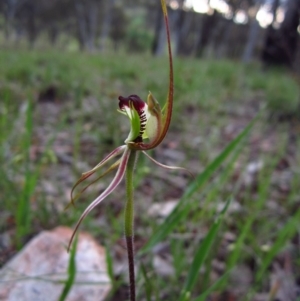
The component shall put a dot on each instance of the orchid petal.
(112, 186)
(87, 174)
(168, 166)
(135, 123)
(154, 119)
(135, 109)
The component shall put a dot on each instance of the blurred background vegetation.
(63, 65)
(238, 29)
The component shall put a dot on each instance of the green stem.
(129, 221)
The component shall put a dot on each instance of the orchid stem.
(129, 222)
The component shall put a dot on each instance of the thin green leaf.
(263, 190)
(211, 289)
(23, 215)
(109, 265)
(283, 236)
(183, 207)
(71, 272)
(201, 255)
(148, 283)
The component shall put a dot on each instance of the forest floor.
(59, 118)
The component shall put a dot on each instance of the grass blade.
(109, 265)
(204, 295)
(148, 285)
(283, 236)
(200, 256)
(183, 207)
(71, 271)
(23, 215)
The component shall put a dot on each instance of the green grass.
(48, 141)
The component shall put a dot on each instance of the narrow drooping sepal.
(168, 166)
(112, 186)
(89, 173)
(106, 172)
(117, 151)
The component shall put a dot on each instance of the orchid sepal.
(111, 187)
(117, 151)
(107, 171)
(89, 173)
(154, 120)
(168, 166)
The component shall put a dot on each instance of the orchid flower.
(148, 123)
(148, 127)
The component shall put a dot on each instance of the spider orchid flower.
(149, 125)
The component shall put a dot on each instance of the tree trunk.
(208, 24)
(221, 42)
(81, 24)
(10, 8)
(159, 41)
(106, 24)
(179, 19)
(31, 25)
(92, 22)
(87, 22)
(281, 44)
(252, 36)
(53, 34)
(198, 30)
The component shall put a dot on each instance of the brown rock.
(37, 272)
